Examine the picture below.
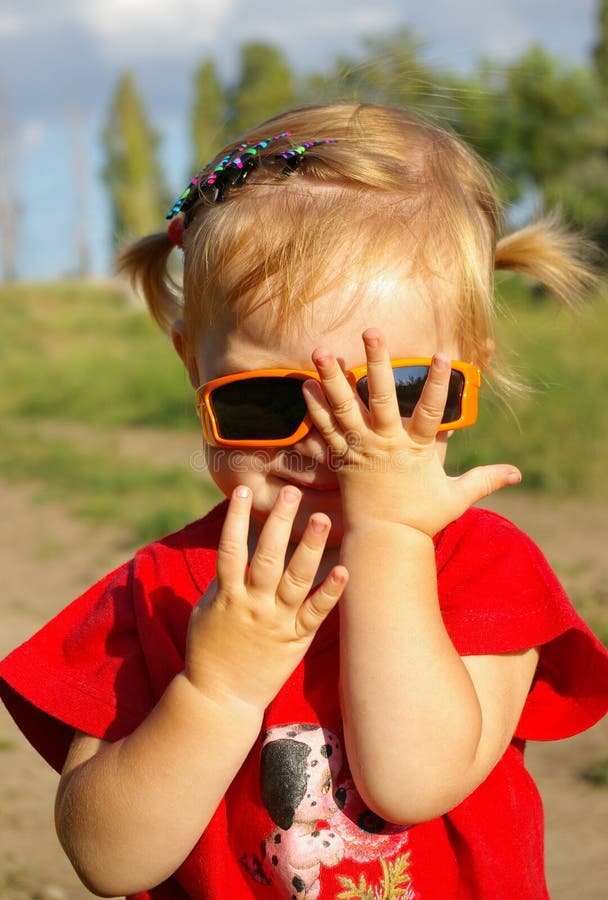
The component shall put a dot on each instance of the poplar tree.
(208, 115)
(600, 49)
(132, 173)
(264, 88)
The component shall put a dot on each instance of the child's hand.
(253, 625)
(388, 468)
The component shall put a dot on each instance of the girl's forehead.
(410, 319)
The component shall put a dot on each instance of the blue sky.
(65, 55)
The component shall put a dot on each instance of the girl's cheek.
(229, 467)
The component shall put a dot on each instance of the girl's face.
(413, 327)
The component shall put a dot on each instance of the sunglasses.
(266, 407)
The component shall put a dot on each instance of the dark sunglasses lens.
(259, 408)
(409, 381)
(453, 406)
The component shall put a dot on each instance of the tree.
(580, 189)
(388, 70)
(132, 173)
(548, 107)
(530, 120)
(9, 209)
(81, 183)
(208, 114)
(264, 87)
(600, 49)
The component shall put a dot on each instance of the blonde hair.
(393, 188)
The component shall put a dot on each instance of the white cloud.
(11, 23)
(141, 27)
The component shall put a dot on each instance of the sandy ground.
(48, 557)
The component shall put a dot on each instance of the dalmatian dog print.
(318, 822)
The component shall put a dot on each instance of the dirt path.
(48, 557)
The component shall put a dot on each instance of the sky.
(59, 62)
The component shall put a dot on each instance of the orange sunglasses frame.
(469, 402)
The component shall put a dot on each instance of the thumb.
(485, 480)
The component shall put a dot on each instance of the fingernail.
(441, 362)
(312, 386)
(242, 492)
(318, 525)
(291, 494)
(514, 478)
(321, 358)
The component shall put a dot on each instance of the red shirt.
(291, 824)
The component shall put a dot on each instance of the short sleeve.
(498, 594)
(83, 670)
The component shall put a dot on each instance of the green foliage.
(600, 49)
(208, 114)
(131, 172)
(389, 70)
(547, 104)
(264, 87)
(580, 187)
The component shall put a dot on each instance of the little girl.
(221, 729)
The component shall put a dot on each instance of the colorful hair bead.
(232, 159)
(177, 206)
(302, 148)
(234, 168)
(294, 155)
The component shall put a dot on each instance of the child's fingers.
(318, 606)
(232, 548)
(322, 417)
(383, 405)
(268, 561)
(429, 410)
(343, 401)
(299, 575)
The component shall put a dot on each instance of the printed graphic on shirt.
(322, 824)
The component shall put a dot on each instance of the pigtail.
(145, 262)
(549, 253)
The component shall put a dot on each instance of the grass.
(556, 431)
(146, 497)
(87, 355)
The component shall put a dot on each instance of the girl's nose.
(311, 445)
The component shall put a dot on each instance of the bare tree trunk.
(8, 207)
(81, 183)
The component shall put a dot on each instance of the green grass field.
(556, 431)
(79, 359)
(80, 364)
